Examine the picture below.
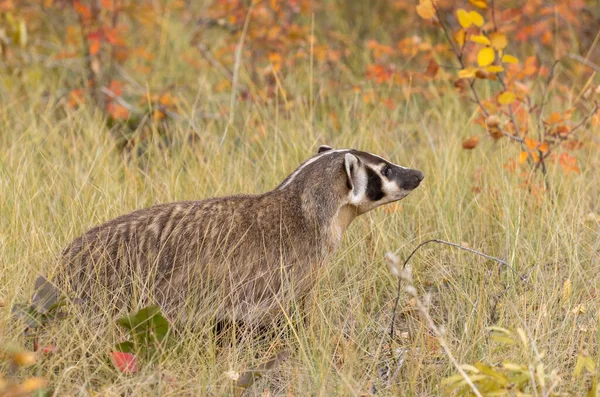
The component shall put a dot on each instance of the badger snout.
(411, 179)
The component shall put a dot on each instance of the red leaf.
(125, 362)
(49, 349)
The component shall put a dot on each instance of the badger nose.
(420, 175)
(412, 180)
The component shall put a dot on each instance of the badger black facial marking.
(374, 185)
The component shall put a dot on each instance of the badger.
(241, 258)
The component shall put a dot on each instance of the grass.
(61, 175)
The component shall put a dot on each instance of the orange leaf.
(471, 143)
(459, 37)
(94, 47)
(82, 9)
(544, 147)
(523, 157)
(530, 143)
(569, 163)
(554, 118)
(117, 111)
(108, 4)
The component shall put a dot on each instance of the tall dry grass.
(60, 174)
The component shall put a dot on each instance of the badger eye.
(385, 171)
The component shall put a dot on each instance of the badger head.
(373, 181)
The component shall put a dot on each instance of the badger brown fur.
(237, 258)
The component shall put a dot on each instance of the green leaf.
(125, 347)
(160, 326)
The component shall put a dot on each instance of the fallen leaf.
(126, 363)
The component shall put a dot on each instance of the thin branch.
(545, 97)
(214, 62)
(502, 262)
(493, 7)
(585, 119)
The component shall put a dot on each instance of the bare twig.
(214, 62)
(585, 119)
(502, 262)
(422, 307)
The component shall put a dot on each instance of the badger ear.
(323, 148)
(351, 164)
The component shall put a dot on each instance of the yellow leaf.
(463, 18)
(476, 18)
(486, 56)
(481, 39)
(479, 3)
(467, 73)
(494, 68)
(426, 10)
(506, 98)
(509, 59)
(498, 40)
(523, 157)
